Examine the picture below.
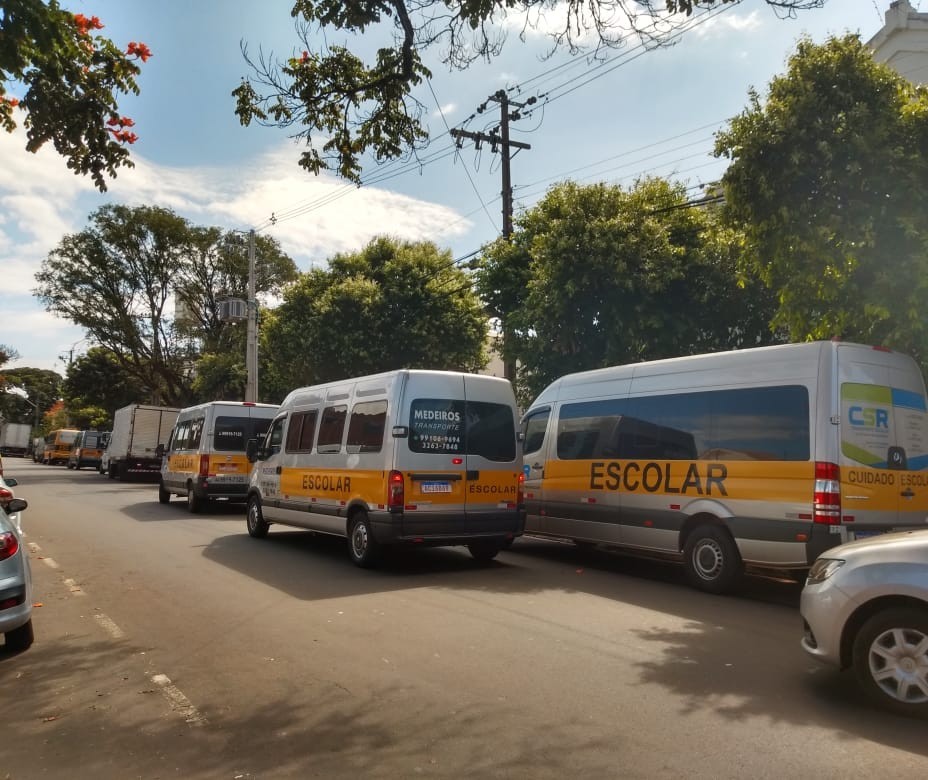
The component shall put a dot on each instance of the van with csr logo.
(757, 459)
(205, 458)
(406, 457)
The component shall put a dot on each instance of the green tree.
(72, 78)
(828, 178)
(22, 389)
(96, 386)
(392, 305)
(343, 106)
(602, 276)
(115, 279)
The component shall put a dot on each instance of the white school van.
(759, 458)
(419, 457)
(205, 456)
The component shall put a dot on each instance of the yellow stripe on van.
(334, 484)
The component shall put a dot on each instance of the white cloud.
(724, 23)
(41, 201)
(445, 111)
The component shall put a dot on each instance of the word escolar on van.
(409, 456)
(756, 459)
(205, 457)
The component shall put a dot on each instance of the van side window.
(301, 431)
(436, 425)
(366, 427)
(274, 437)
(331, 429)
(764, 423)
(181, 435)
(196, 433)
(533, 431)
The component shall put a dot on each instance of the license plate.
(866, 534)
(436, 487)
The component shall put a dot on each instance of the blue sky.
(648, 114)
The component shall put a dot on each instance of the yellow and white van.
(58, 445)
(420, 457)
(759, 458)
(205, 456)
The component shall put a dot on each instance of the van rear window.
(231, 433)
(456, 427)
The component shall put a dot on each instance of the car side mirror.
(251, 450)
(15, 505)
(11, 482)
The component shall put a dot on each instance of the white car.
(15, 581)
(865, 607)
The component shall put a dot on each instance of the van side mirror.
(159, 450)
(10, 481)
(251, 450)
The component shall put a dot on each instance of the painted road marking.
(73, 588)
(109, 626)
(179, 703)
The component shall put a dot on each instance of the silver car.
(865, 606)
(15, 580)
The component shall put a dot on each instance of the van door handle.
(907, 493)
(536, 465)
(473, 475)
(277, 470)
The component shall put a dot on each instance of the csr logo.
(868, 417)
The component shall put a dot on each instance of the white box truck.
(14, 438)
(133, 448)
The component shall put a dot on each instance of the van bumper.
(232, 492)
(444, 529)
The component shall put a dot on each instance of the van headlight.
(822, 569)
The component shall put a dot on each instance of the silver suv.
(865, 606)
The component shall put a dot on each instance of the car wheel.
(362, 546)
(484, 552)
(254, 519)
(711, 560)
(891, 660)
(20, 639)
(164, 497)
(194, 502)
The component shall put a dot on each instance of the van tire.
(194, 502)
(164, 496)
(484, 552)
(362, 546)
(889, 625)
(254, 519)
(711, 560)
(21, 638)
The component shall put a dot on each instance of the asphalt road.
(173, 645)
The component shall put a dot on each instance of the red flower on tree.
(140, 50)
(84, 25)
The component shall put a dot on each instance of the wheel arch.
(352, 511)
(866, 611)
(700, 519)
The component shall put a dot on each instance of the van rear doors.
(460, 455)
(883, 440)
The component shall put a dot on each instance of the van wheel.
(362, 546)
(484, 552)
(254, 519)
(21, 638)
(891, 660)
(711, 560)
(194, 502)
(164, 497)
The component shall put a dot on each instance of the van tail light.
(396, 493)
(520, 493)
(9, 545)
(826, 504)
(204, 465)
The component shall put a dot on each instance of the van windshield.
(456, 427)
(232, 433)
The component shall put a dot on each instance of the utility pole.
(251, 346)
(502, 142)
